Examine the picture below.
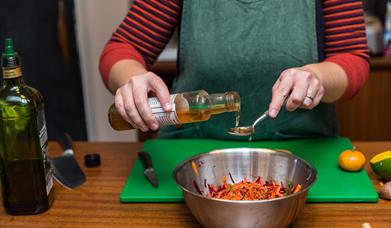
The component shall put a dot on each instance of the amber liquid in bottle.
(189, 107)
(26, 178)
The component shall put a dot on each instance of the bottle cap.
(10, 58)
(9, 48)
(92, 160)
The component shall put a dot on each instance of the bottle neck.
(15, 81)
(224, 102)
(11, 65)
(12, 75)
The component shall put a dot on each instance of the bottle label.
(43, 138)
(164, 118)
(12, 73)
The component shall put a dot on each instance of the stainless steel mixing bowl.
(240, 163)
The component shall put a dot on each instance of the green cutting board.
(332, 185)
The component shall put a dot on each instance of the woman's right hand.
(131, 100)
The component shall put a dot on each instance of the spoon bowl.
(247, 130)
(242, 131)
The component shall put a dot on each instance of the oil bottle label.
(164, 118)
(43, 138)
(12, 73)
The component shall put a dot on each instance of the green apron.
(243, 46)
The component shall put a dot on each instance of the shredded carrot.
(297, 188)
(194, 168)
(250, 190)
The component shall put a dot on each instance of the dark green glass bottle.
(26, 176)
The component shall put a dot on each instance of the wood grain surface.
(96, 203)
(367, 115)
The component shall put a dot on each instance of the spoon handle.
(264, 116)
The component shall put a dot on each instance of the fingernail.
(167, 106)
(272, 113)
(307, 102)
(155, 126)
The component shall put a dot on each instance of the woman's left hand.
(303, 87)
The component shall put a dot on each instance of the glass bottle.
(187, 107)
(26, 176)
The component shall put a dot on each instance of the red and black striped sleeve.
(142, 35)
(345, 41)
(148, 27)
(344, 28)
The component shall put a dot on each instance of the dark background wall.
(46, 43)
(376, 7)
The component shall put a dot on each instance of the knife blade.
(65, 168)
(149, 173)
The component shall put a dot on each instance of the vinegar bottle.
(25, 171)
(187, 107)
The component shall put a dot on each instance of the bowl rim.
(259, 150)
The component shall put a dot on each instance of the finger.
(280, 92)
(311, 93)
(317, 99)
(119, 105)
(140, 93)
(277, 83)
(131, 109)
(307, 102)
(161, 91)
(299, 92)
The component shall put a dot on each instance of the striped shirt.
(149, 24)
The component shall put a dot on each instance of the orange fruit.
(351, 160)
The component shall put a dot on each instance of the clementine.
(351, 160)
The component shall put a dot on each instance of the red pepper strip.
(196, 187)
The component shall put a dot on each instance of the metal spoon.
(248, 130)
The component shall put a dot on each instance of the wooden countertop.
(380, 63)
(96, 203)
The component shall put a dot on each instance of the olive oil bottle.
(25, 172)
(187, 107)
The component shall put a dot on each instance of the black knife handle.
(145, 159)
(65, 141)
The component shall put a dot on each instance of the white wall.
(96, 20)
